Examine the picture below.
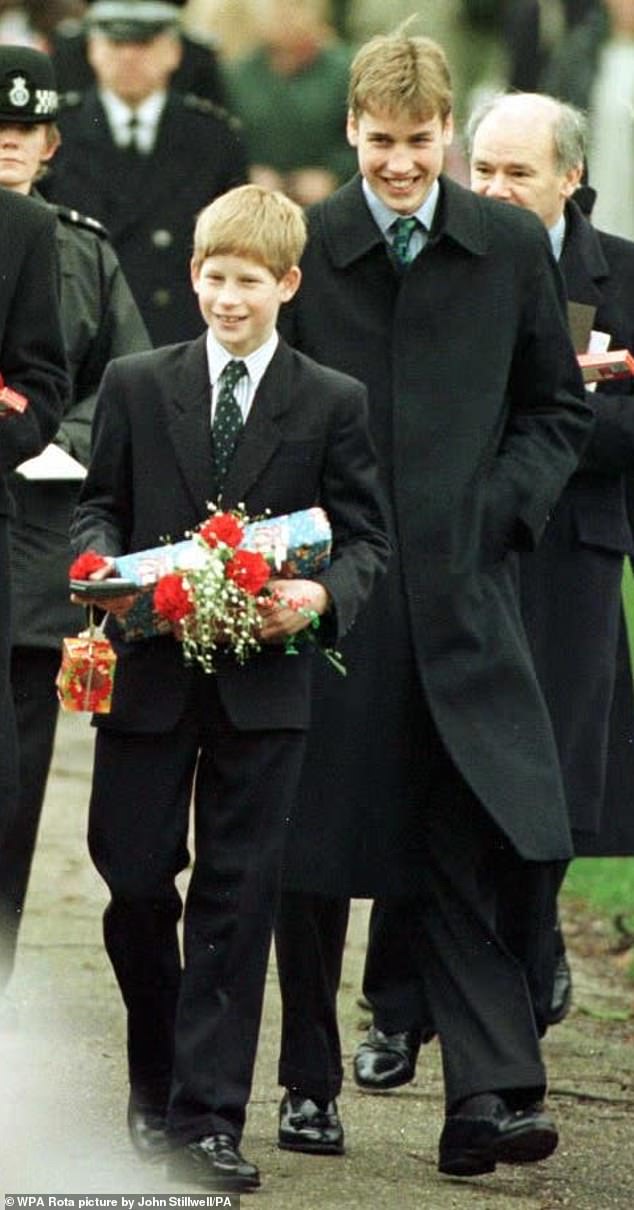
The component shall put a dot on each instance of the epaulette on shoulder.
(68, 215)
(70, 100)
(191, 100)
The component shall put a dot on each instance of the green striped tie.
(403, 229)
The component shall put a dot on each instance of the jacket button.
(161, 298)
(161, 238)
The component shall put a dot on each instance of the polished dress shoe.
(214, 1162)
(306, 1126)
(484, 1132)
(146, 1128)
(386, 1061)
(562, 992)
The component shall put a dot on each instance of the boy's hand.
(287, 610)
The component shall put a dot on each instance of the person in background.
(290, 93)
(593, 68)
(197, 72)
(34, 391)
(431, 771)
(100, 321)
(144, 159)
(529, 150)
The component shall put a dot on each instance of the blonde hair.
(396, 73)
(260, 224)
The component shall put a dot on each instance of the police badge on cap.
(28, 92)
(131, 20)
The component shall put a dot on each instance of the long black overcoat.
(479, 417)
(571, 586)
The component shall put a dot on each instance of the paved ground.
(64, 1090)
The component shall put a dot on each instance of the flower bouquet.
(214, 603)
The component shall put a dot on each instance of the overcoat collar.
(189, 423)
(582, 261)
(350, 231)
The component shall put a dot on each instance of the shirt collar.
(556, 235)
(119, 112)
(384, 216)
(257, 362)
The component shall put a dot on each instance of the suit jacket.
(479, 417)
(149, 204)
(305, 442)
(32, 357)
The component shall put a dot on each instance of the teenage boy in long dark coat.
(435, 762)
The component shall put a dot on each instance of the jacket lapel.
(582, 261)
(189, 425)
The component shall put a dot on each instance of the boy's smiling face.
(240, 299)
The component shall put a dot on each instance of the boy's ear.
(289, 284)
(194, 274)
(352, 129)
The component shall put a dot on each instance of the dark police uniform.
(100, 321)
(149, 202)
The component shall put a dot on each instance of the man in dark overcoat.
(144, 160)
(529, 150)
(32, 364)
(100, 321)
(434, 764)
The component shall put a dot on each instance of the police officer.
(144, 159)
(100, 320)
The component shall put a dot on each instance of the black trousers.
(8, 736)
(33, 672)
(476, 991)
(192, 1027)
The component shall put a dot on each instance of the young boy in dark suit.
(236, 737)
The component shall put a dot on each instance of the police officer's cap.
(131, 20)
(28, 90)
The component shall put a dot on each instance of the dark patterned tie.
(403, 229)
(227, 422)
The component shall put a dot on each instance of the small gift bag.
(86, 675)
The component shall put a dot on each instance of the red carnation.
(249, 570)
(223, 527)
(84, 565)
(171, 598)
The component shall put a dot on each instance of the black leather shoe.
(386, 1060)
(562, 992)
(485, 1132)
(214, 1162)
(148, 1135)
(306, 1127)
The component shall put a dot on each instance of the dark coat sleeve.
(32, 359)
(101, 321)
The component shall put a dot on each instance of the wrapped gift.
(297, 545)
(86, 675)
